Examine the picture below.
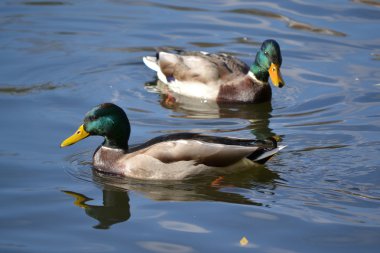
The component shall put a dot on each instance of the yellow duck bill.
(80, 134)
(275, 75)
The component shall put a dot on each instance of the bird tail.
(151, 62)
(269, 148)
(266, 155)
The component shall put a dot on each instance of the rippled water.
(320, 194)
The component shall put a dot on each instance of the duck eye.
(266, 53)
(92, 118)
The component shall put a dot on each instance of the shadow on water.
(368, 2)
(24, 90)
(116, 206)
(186, 107)
(290, 22)
(45, 3)
(174, 7)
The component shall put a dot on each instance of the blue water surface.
(61, 58)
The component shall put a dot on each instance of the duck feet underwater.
(167, 157)
(220, 77)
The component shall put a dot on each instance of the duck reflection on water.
(116, 206)
(187, 107)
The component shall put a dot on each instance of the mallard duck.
(220, 77)
(167, 157)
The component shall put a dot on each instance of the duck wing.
(196, 66)
(208, 150)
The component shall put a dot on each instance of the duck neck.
(116, 143)
(118, 137)
(259, 72)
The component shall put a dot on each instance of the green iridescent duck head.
(107, 120)
(268, 62)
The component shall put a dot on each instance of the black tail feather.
(267, 145)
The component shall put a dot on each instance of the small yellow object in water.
(243, 241)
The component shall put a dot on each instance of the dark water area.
(61, 58)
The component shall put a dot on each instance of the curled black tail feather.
(267, 145)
